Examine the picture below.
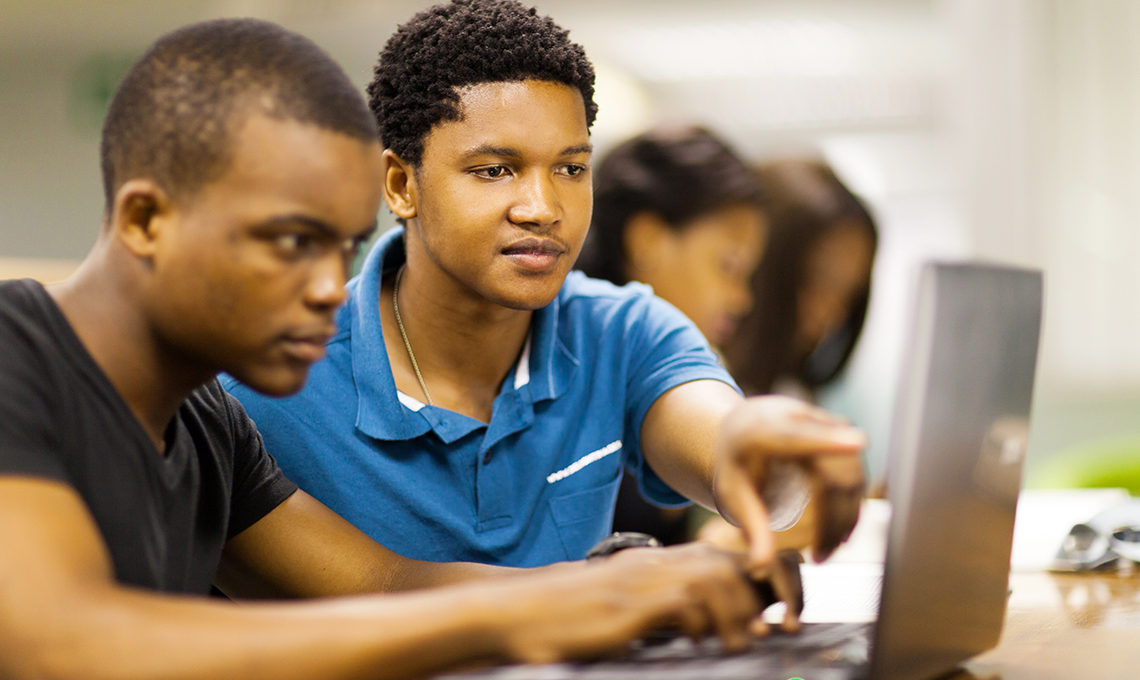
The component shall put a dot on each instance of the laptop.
(961, 425)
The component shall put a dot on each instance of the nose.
(740, 297)
(325, 288)
(537, 203)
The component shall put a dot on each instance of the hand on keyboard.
(581, 611)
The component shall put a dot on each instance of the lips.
(537, 246)
(534, 254)
(308, 347)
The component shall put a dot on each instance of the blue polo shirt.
(535, 485)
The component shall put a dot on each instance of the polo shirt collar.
(552, 365)
(544, 370)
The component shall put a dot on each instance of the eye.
(574, 169)
(734, 267)
(491, 172)
(351, 246)
(293, 243)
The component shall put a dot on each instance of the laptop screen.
(961, 426)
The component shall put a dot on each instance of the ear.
(645, 240)
(137, 214)
(400, 188)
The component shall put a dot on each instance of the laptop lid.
(961, 427)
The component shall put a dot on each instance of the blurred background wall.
(1000, 129)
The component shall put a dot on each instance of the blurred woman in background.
(676, 208)
(813, 285)
(811, 294)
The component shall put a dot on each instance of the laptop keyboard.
(821, 651)
(838, 643)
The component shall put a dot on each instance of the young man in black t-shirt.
(241, 171)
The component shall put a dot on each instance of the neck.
(465, 348)
(106, 314)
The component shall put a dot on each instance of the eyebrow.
(301, 219)
(510, 152)
(324, 228)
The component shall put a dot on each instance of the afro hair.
(449, 46)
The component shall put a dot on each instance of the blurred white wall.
(1002, 129)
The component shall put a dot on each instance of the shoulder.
(211, 398)
(12, 288)
(22, 303)
(39, 382)
(582, 295)
(34, 334)
(578, 286)
(213, 412)
(630, 306)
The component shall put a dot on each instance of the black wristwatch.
(620, 540)
(789, 560)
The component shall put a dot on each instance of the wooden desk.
(1066, 627)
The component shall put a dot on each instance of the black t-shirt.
(164, 518)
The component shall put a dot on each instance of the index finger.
(782, 584)
(740, 502)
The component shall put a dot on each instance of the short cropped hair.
(677, 172)
(174, 115)
(449, 46)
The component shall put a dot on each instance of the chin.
(532, 295)
(528, 304)
(280, 383)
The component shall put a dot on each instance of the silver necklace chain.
(404, 335)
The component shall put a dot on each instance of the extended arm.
(65, 616)
(730, 453)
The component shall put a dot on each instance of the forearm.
(395, 575)
(679, 435)
(63, 616)
(417, 574)
(684, 438)
(304, 550)
(111, 632)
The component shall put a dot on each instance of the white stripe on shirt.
(582, 462)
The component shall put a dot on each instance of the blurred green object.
(92, 85)
(1101, 463)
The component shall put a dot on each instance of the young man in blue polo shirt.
(479, 400)
(241, 170)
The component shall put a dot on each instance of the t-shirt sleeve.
(259, 485)
(665, 350)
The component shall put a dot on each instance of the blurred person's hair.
(428, 60)
(678, 173)
(175, 114)
(805, 202)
